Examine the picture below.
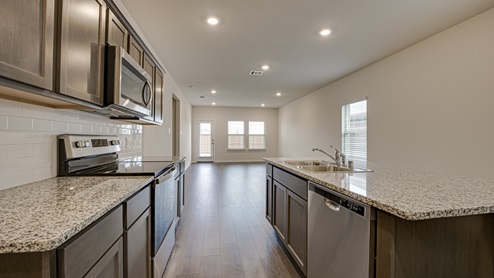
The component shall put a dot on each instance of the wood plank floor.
(223, 231)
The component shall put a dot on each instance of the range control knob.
(80, 144)
(114, 142)
(87, 143)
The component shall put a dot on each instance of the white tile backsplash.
(28, 139)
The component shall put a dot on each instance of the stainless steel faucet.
(339, 158)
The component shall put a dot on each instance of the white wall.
(28, 139)
(430, 106)
(221, 116)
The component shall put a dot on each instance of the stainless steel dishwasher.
(340, 236)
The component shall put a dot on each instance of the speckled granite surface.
(409, 194)
(40, 216)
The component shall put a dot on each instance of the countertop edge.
(406, 215)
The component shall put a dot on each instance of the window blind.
(236, 135)
(257, 136)
(354, 131)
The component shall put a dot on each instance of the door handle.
(331, 205)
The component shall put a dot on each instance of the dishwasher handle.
(332, 205)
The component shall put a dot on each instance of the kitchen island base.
(442, 247)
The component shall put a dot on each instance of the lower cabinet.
(110, 265)
(84, 253)
(138, 247)
(296, 239)
(286, 206)
(279, 209)
(137, 235)
(269, 199)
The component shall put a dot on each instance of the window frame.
(348, 134)
(263, 135)
(229, 136)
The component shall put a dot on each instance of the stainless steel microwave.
(128, 85)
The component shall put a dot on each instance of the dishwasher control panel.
(358, 209)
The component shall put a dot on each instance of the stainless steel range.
(91, 155)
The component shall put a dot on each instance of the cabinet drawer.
(136, 205)
(292, 182)
(269, 169)
(80, 253)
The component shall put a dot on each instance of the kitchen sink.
(330, 168)
(307, 162)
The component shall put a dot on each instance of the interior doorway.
(205, 141)
(175, 126)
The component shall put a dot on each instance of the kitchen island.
(426, 224)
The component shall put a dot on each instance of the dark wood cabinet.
(27, 41)
(279, 209)
(82, 49)
(137, 235)
(296, 238)
(138, 247)
(116, 33)
(159, 81)
(149, 66)
(269, 199)
(111, 264)
(286, 206)
(135, 50)
(81, 253)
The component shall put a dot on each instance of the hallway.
(224, 232)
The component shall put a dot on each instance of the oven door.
(164, 207)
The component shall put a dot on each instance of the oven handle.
(165, 176)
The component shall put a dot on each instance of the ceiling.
(285, 35)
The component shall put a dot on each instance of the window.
(257, 136)
(236, 135)
(354, 131)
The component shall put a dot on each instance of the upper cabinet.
(52, 53)
(150, 67)
(116, 33)
(159, 86)
(27, 41)
(82, 49)
(135, 50)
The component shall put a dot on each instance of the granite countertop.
(40, 216)
(408, 194)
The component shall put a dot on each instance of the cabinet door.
(296, 239)
(116, 33)
(138, 250)
(269, 199)
(111, 264)
(279, 209)
(26, 41)
(82, 49)
(135, 50)
(149, 67)
(159, 81)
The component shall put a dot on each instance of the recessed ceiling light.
(213, 20)
(214, 103)
(265, 67)
(325, 32)
(278, 94)
(263, 105)
(213, 91)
